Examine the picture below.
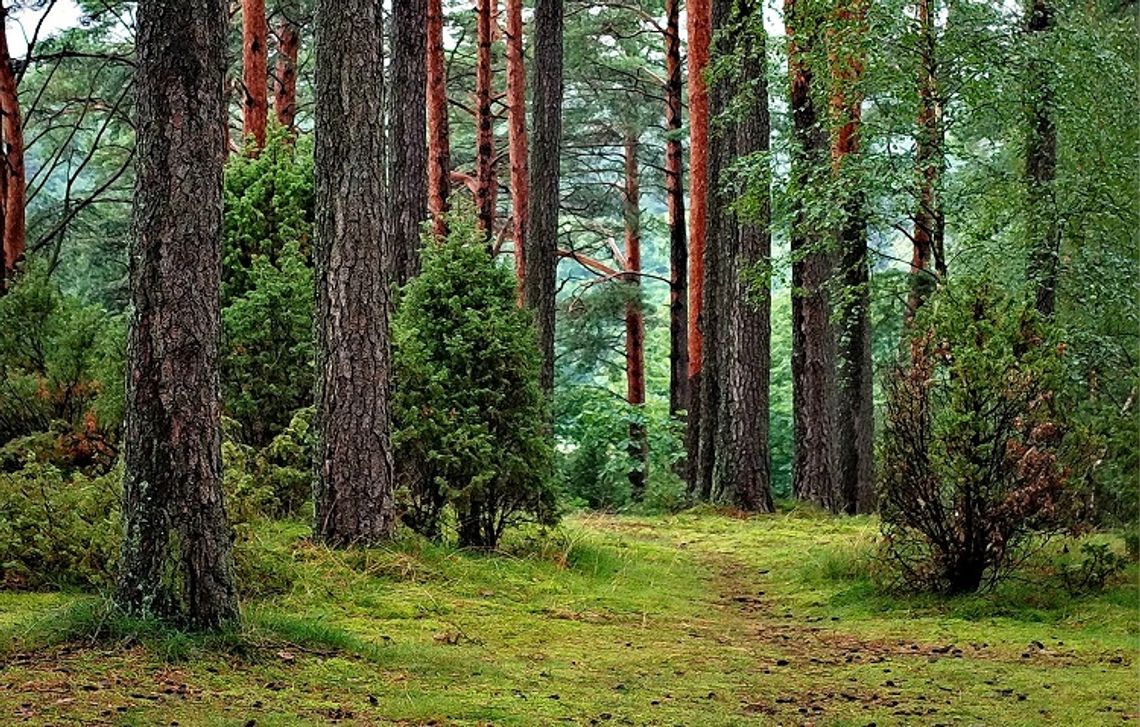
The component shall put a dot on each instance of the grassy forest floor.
(695, 619)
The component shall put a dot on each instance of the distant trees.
(176, 560)
(354, 495)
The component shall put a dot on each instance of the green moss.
(693, 619)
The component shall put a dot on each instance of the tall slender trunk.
(1044, 232)
(285, 71)
(928, 263)
(12, 129)
(813, 346)
(485, 181)
(634, 319)
(675, 201)
(545, 152)
(439, 134)
(176, 560)
(743, 471)
(516, 118)
(855, 408)
(254, 71)
(700, 38)
(354, 481)
(407, 139)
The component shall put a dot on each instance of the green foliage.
(978, 454)
(62, 366)
(1098, 566)
(471, 420)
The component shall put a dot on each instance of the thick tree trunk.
(516, 119)
(634, 319)
(700, 40)
(354, 482)
(439, 134)
(485, 180)
(675, 201)
(12, 129)
(285, 71)
(176, 560)
(855, 408)
(1041, 163)
(545, 152)
(743, 472)
(254, 71)
(928, 262)
(813, 346)
(407, 140)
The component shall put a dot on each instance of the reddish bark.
(12, 128)
(254, 71)
(700, 39)
(675, 201)
(285, 72)
(516, 119)
(484, 120)
(929, 221)
(634, 319)
(439, 134)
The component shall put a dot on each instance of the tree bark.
(439, 134)
(407, 139)
(675, 201)
(285, 71)
(254, 71)
(634, 320)
(176, 560)
(516, 119)
(743, 471)
(700, 39)
(813, 346)
(484, 121)
(14, 181)
(354, 481)
(545, 154)
(928, 262)
(855, 408)
(1041, 163)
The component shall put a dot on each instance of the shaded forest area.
(507, 361)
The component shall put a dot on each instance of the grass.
(695, 619)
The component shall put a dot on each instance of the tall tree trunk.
(176, 560)
(545, 153)
(855, 408)
(285, 71)
(12, 129)
(700, 38)
(634, 320)
(485, 181)
(516, 118)
(929, 221)
(407, 139)
(675, 201)
(1041, 163)
(254, 71)
(743, 470)
(439, 134)
(813, 346)
(354, 482)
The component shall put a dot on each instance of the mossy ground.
(695, 619)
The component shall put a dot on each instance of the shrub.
(471, 420)
(1096, 568)
(977, 456)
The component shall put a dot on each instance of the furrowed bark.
(176, 561)
(14, 180)
(407, 140)
(439, 134)
(634, 319)
(354, 481)
(675, 201)
(545, 151)
(484, 121)
(254, 71)
(285, 70)
(516, 119)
